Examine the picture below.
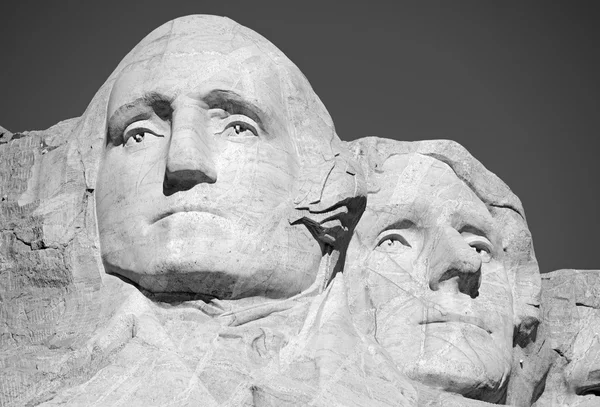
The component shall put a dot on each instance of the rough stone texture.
(442, 271)
(201, 236)
(49, 277)
(5, 135)
(571, 304)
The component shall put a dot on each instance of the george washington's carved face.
(199, 174)
(432, 258)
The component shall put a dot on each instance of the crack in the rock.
(512, 208)
(35, 245)
(580, 304)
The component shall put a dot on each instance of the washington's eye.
(239, 126)
(138, 137)
(139, 132)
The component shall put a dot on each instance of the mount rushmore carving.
(202, 236)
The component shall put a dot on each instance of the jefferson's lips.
(187, 209)
(455, 317)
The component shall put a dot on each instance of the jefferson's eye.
(481, 245)
(392, 242)
(135, 137)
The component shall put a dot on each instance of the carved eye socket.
(481, 245)
(243, 129)
(138, 137)
(392, 241)
(138, 133)
(239, 126)
(135, 137)
(484, 252)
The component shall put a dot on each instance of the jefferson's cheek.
(495, 287)
(390, 278)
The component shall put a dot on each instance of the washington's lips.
(187, 209)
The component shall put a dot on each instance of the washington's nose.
(189, 159)
(454, 264)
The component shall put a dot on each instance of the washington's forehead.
(200, 33)
(246, 71)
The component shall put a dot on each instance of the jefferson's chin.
(471, 364)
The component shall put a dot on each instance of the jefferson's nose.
(189, 159)
(454, 264)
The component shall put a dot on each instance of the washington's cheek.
(253, 181)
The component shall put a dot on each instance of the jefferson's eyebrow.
(402, 223)
(140, 109)
(234, 103)
(476, 223)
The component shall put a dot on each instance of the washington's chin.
(205, 274)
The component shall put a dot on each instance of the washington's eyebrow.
(234, 103)
(140, 109)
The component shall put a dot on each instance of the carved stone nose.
(189, 160)
(466, 282)
(457, 267)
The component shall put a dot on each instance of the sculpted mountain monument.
(201, 236)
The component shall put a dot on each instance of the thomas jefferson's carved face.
(432, 259)
(198, 174)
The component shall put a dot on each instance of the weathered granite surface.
(442, 270)
(571, 303)
(201, 236)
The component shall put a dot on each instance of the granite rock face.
(201, 236)
(571, 304)
(442, 270)
(5, 135)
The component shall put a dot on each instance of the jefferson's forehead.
(418, 186)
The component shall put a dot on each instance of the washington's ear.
(331, 199)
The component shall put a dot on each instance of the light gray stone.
(571, 304)
(441, 268)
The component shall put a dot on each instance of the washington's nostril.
(184, 180)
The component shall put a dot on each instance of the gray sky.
(515, 82)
